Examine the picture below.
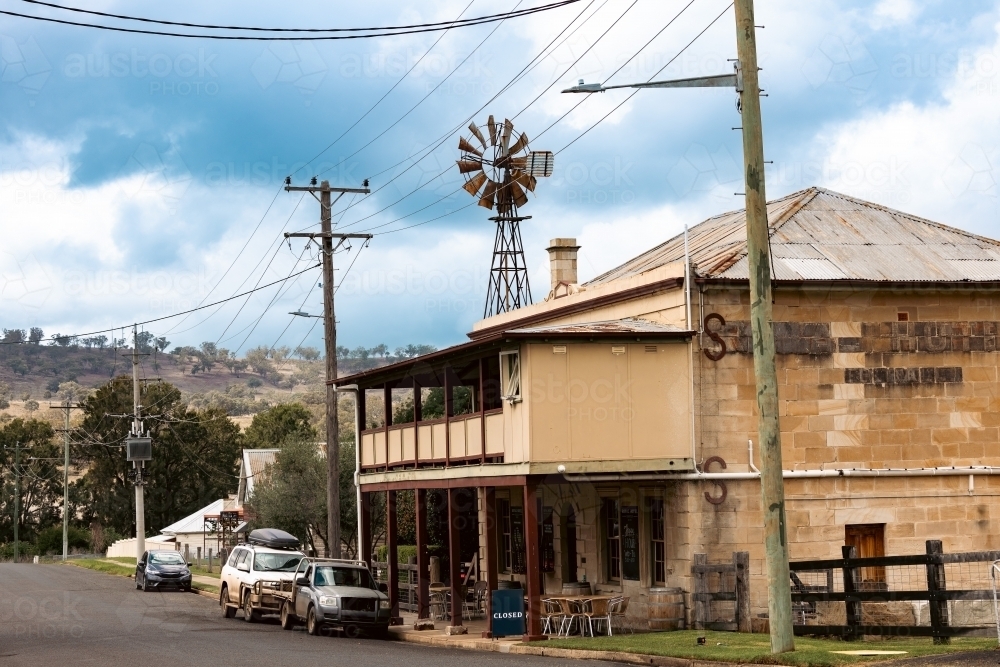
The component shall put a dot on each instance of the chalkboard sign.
(630, 542)
(548, 551)
(517, 540)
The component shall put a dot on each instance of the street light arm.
(734, 80)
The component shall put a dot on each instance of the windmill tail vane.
(500, 171)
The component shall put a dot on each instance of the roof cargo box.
(273, 538)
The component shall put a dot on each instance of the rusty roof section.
(818, 234)
(629, 325)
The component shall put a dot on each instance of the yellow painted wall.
(603, 401)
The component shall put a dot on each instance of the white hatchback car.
(247, 565)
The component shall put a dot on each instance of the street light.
(734, 80)
(302, 313)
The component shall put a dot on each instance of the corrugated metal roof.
(818, 234)
(629, 325)
(195, 523)
(255, 463)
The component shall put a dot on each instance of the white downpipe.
(789, 474)
(753, 468)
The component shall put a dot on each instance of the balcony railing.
(474, 438)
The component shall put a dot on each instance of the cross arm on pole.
(321, 188)
(327, 235)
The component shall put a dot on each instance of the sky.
(141, 175)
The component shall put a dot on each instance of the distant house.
(253, 468)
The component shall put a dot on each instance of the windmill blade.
(526, 180)
(493, 130)
(473, 185)
(465, 146)
(508, 129)
(517, 194)
(486, 201)
(467, 166)
(478, 134)
(520, 144)
(518, 163)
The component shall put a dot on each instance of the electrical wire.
(235, 259)
(402, 30)
(386, 94)
(534, 62)
(655, 74)
(191, 310)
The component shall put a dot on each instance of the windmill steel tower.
(500, 174)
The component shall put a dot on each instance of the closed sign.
(508, 615)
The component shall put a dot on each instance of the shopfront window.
(657, 535)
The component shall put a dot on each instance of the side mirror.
(302, 581)
(384, 588)
(189, 564)
(243, 567)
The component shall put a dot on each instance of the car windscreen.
(166, 558)
(331, 575)
(276, 562)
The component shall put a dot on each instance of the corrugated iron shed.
(818, 234)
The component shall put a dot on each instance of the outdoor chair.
(570, 614)
(480, 590)
(597, 611)
(617, 607)
(438, 606)
(552, 614)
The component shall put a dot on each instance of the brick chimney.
(562, 262)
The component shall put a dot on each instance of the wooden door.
(868, 539)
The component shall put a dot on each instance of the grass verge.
(745, 648)
(101, 565)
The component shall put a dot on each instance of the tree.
(195, 457)
(310, 353)
(35, 335)
(279, 425)
(161, 343)
(258, 361)
(14, 335)
(144, 341)
(41, 480)
(381, 350)
(292, 494)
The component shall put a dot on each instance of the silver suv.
(248, 566)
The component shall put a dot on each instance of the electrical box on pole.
(139, 448)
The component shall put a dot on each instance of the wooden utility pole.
(330, 327)
(65, 407)
(772, 489)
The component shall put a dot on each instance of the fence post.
(853, 607)
(935, 584)
(741, 559)
(700, 589)
(210, 561)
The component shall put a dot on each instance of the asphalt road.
(64, 615)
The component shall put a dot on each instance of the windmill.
(500, 171)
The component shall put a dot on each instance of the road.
(64, 615)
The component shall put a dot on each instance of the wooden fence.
(407, 583)
(732, 585)
(891, 579)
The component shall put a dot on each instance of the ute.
(327, 592)
(264, 564)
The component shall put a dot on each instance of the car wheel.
(227, 611)
(137, 586)
(312, 624)
(145, 584)
(287, 622)
(249, 615)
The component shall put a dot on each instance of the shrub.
(50, 540)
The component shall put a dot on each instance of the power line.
(619, 105)
(372, 107)
(369, 32)
(191, 310)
